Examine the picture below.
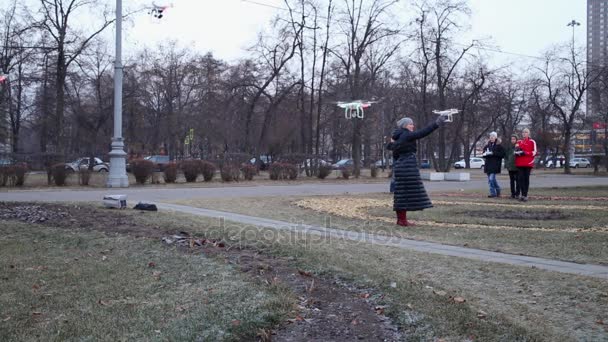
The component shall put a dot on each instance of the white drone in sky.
(354, 109)
(447, 113)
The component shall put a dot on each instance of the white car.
(580, 162)
(83, 164)
(475, 163)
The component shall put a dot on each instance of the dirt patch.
(326, 310)
(517, 214)
(77, 217)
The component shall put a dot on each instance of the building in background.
(592, 139)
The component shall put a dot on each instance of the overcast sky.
(227, 27)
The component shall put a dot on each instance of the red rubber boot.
(402, 218)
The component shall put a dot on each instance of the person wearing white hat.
(493, 153)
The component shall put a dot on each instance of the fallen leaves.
(151, 264)
(380, 309)
(459, 300)
(304, 273)
(481, 314)
(440, 293)
(6, 319)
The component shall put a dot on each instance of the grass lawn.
(92, 280)
(423, 293)
(573, 228)
(73, 284)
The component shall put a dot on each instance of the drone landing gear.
(353, 113)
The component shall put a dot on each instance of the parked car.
(553, 162)
(425, 164)
(580, 162)
(83, 164)
(265, 161)
(311, 162)
(160, 161)
(386, 163)
(343, 164)
(475, 163)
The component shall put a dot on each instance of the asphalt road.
(163, 194)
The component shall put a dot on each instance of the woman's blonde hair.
(525, 130)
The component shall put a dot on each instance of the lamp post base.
(118, 168)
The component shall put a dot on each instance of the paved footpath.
(160, 195)
(168, 194)
(597, 271)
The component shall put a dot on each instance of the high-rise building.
(597, 49)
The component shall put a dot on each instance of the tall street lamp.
(574, 24)
(118, 173)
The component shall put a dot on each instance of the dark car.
(425, 164)
(160, 161)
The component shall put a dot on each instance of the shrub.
(142, 170)
(291, 171)
(249, 171)
(4, 174)
(230, 173)
(324, 171)
(20, 171)
(59, 174)
(208, 170)
(191, 170)
(170, 173)
(373, 171)
(346, 173)
(84, 176)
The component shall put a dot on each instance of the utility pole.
(118, 173)
(573, 24)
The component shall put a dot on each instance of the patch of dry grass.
(62, 285)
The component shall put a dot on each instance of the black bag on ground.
(145, 206)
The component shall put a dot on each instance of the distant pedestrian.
(510, 166)
(525, 151)
(493, 153)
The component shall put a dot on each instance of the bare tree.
(444, 17)
(363, 26)
(69, 44)
(565, 81)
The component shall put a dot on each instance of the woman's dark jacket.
(391, 145)
(409, 190)
(407, 139)
(510, 158)
(494, 160)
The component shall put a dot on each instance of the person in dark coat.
(391, 147)
(493, 153)
(510, 166)
(410, 194)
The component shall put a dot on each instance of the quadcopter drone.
(157, 11)
(355, 109)
(447, 113)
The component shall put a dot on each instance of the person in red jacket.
(525, 151)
